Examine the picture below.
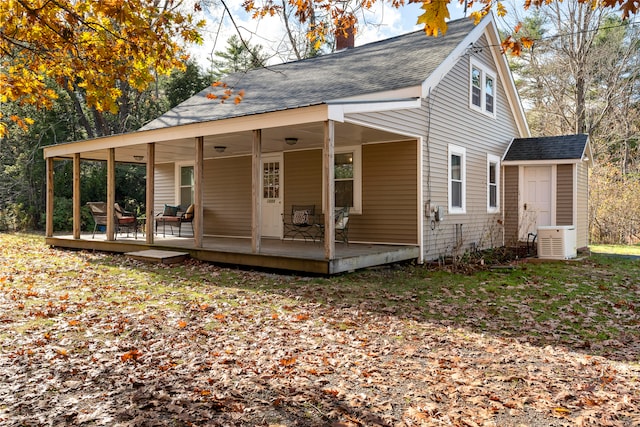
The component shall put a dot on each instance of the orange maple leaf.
(182, 324)
(288, 361)
(134, 355)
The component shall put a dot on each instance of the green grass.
(616, 249)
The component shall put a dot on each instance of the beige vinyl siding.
(389, 195)
(165, 186)
(303, 179)
(227, 196)
(454, 122)
(582, 226)
(511, 213)
(564, 195)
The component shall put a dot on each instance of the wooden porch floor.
(299, 256)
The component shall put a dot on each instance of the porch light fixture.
(291, 141)
(138, 158)
(220, 148)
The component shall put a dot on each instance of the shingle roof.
(565, 147)
(390, 64)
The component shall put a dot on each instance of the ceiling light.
(220, 148)
(291, 141)
(138, 158)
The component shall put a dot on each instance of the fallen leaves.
(141, 345)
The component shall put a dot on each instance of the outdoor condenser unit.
(557, 242)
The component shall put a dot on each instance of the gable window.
(457, 178)
(483, 89)
(493, 183)
(185, 180)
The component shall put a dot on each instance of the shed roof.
(387, 65)
(564, 147)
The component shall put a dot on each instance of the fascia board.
(506, 77)
(338, 111)
(451, 60)
(316, 113)
(540, 162)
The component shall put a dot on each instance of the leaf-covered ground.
(96, 339)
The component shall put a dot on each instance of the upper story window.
(483, 89)
(457, 179)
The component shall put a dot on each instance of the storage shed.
(546, 183)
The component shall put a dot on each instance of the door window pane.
(271, 180)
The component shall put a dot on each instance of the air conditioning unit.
(557, 242)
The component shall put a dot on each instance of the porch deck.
(300, 256)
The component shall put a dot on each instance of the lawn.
(97, 339)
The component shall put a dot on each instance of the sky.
(384, 22)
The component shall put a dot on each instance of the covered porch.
(286, 255)
(239, 201)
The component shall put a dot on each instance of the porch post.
(256, 206)
(111, 193)
(197, 188)
(50, 192)
(329, 190)
(77, 218)
(149, 213)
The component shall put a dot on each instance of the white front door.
(537, 203)
(272, 194)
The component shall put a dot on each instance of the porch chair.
(301, 223)
(122, 219)
(341, 220)
(175, 217)
(125, 220)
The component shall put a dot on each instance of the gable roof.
(547, 148)
(387, 65)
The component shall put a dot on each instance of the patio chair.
(301, 223)
(99, 214)
(341, 219)
(123, 220)
(175, 217)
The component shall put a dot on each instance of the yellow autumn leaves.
(87, 45)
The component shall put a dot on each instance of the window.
(493, 183)
(344, 179)
(185, 185)
(348, 178)
(488, 94)
(457, 178)
(476, 87)
(483, 90)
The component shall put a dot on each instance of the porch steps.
(158, 257)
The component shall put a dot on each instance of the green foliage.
(184, 84)
(238, 56)
(62, 214)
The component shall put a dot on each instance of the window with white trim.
(493, 183)
(457, 179)
(348, 178)
(185, 184)
(482, 94)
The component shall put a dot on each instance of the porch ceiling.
(309, 135)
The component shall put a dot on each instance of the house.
(408, 132)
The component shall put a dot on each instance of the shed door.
(272, 195)
(536, 205)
